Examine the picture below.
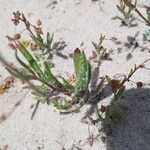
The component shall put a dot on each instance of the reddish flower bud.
(38, 30)
(39, 23)
(12, 46)
(15, 21)
(17, 36)
(16, 15)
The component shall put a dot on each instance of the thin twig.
(35, 109)
(138, 12)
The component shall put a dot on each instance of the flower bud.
(17, 36)
(39, 23)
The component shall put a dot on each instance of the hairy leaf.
(82, 70)
(60, 105)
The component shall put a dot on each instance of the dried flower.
(103, 108)
(17, 43)
(39, 23)
(77, 51)
(15, 20)
(16, 15)
(17, 36)
(38, 30)
(90, 140)
(129, 4)
(139, 84)
(141, 66)
(115, 85)
(34, 46)
(6, 84)
(12, 46)
(72, 79)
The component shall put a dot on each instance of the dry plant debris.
(6, 84)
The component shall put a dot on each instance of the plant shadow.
(133, 132)
(59, 45)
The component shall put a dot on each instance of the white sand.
(73, 21)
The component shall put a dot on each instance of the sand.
(75, 22)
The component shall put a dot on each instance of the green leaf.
(40, 38)
(118, 94)
(38, 41)
(23, 64)
(44, 89)
(49, 40)
(113, 115)
(117, 17)
(33, 63)
(60, 105)
(66, 84)
(51, 78)
(82, 70)
(131, 71)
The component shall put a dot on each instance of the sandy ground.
(75, 22)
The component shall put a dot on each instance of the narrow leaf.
(33, 63)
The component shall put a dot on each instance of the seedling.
(100, 52)
(127, 18)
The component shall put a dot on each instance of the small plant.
(127, 16)
(133, 7)
(100, 52)
(146, 19)
(37, 42)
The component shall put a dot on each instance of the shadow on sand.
(133, 133)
